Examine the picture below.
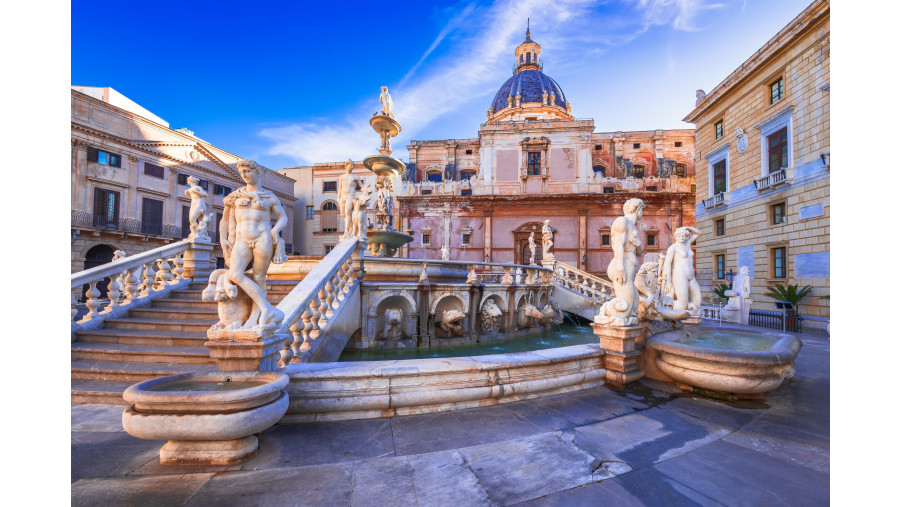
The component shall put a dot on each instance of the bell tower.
(528, 54)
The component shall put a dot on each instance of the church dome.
(531, 85)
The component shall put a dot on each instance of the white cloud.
(681, 14)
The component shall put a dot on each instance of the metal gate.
(775, 320)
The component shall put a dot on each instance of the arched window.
(638, 171)
(679, 170)
(328, 219)
(599, 170)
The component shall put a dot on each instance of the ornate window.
(426, 238)
(778, 150)
(775, 134)
(435, 176)
(534, 163)
(638, 171)
(720, 177)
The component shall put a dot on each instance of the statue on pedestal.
(387, 105)
(531, 248)
(198, 204)
(346, 194)
(679, 268)
(247, 234)
(622, 269)
(547, 240)
(445, 253)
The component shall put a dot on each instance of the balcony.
(540, 64)
(85, 220)
(782, 176)
(716, 200)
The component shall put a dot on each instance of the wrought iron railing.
(83, 219)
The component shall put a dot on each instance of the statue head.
(546, 222)
(681, 234)
(348, 165)
(384, 89)
(633, 206)
(247, 168)
(193, 180)
(738, 131)
(744, 270)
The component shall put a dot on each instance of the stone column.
(582, 239)
(486, 231)
(199, 261)
(238, 355)
(622, 360)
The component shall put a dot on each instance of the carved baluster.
(93, 301)
(113, 293)
(529, 277)
(585, 288)
(507, 276)
(594, 290)
(164, 274)
(337, 294)
(303, 346)
(131, 285)
(148, 281)
(314, 317)
(329, 298)
(287, 352)
(74, 305)
(178, 261)
(472, 278)
(324, 307)
(350, 276)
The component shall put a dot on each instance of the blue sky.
(294, 83)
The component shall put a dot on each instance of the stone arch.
(394, 300)
(520, 242)
(436, 304)
(329, 205)
(397, 295)
(499, 298)
(91, 246)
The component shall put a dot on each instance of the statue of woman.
(198, 204)
(531, 248)
(679, 267)
(347, 194)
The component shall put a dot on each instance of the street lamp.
(729, 276)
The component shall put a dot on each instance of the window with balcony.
(534, 163)
(720, 266)
(151, 216)
(777, 144)
(154, 170)
(467, 175)
(329, 186)
(776, 91)
(598, 169)
(720, 227)
(435, 176)
(779, 262)
(106, 208)
(104, 157)
(720, 177)
(720, 129)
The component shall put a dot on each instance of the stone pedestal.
(199, 260)
(622, 360)
(242, 355)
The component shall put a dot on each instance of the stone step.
(210, 315)
(116, 352)
(83, 369)
(190, 326)
(273, 296)
(182, 303)
(104, 392)
(143, 337)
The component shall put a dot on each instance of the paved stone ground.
(647, 444)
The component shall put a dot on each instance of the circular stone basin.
(208, 418)
(393, 239)
(384, 165)
(726, 360)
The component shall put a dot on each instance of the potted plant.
(791, 293)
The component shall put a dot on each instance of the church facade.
(533, 161)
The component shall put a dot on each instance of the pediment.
(191, 153)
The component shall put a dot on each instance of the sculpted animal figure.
(490, 317)
(234, 310)
(393, 317)
(616, 312)
(451, 322)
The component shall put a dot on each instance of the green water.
(727, 340)
(207, 385)
(563, 336)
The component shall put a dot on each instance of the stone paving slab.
(530, 467)
(320, 485)
(418, 434)
(444, 479)
(160, 490)
(386, 481)
(109, 454)
(97, 418)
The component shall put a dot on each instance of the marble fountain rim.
(783, 351)
(178, 402)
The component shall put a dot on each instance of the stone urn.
(207, 418)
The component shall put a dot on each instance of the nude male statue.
(346, 194)
(198, 203)
(679, 267)
(386, 102)
(246, 234)
(547, 237)
(627, 247)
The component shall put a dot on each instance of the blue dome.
(530, 84)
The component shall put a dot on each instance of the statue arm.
(618, 237)
(695, 232)
(282, 221)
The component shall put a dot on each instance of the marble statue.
(742, 139)
(423, 275)
(529, 310)
(552, 313)
(531, 248)
(547, 240)
(451, 322)
(393, 319)
(490, 317)
(202, 232)
(700, 96)
(740, 286)
(679, 268)
(198, 204)
(387, 105)
(622, 269)
(384, 203)
(445, 253)
(233, 310)
(739, 300)
(247, 234)
(347, 194)
(357, 227)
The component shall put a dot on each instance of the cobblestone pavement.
(646, 444)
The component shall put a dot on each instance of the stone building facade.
(763, 167)
(533, 161)
(129, 171)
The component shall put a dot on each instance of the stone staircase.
(164, 338)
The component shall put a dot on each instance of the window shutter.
(151, 216)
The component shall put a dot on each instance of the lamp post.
(729, 276)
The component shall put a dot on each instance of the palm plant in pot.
(791, 293)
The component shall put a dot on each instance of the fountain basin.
(385, 123)
(383, 165)
(391, 239)
(206, 418)
(725, 360)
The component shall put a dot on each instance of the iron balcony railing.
(83, 219)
